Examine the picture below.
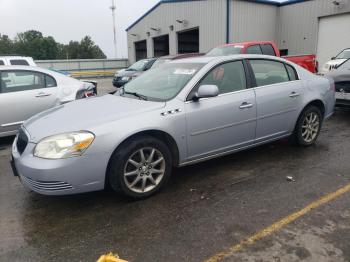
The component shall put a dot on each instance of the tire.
(308, 127)
(140, 175)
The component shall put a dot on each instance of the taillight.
(89, 94)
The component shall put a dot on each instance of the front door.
(22, 95)
(223, 123)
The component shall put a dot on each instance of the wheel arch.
(158, 134)
(319, 104)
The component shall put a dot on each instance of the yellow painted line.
(278, 225)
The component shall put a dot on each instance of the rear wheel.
(308, 127)
(141, 167)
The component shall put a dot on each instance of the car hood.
(330, 64)
(85, 114)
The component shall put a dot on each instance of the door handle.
(42, 94)
(294, 94)
(245, 105)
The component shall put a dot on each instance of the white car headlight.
(64, 145)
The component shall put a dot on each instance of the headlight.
(64, 145)
(126, 78)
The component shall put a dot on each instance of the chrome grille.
(22, 141)
(47, 186)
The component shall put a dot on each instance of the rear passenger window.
(16, 81)
(227, 77)
(268, 72)
(268, 50)
(2, 62)
(50, 81)
(254, 49)
(292, 73)
(18, 62)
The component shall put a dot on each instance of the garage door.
(161, 45)
(141, 50)
(188, 41)
(333, 36)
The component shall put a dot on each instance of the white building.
(319, 27)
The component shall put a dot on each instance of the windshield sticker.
(182, 71)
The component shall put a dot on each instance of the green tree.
(33, 43)
(6, 45)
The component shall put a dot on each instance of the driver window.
(228, 77)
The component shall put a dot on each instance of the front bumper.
(119, 82)
(59, 177)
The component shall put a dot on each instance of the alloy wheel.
(144, 170)
(310, 127)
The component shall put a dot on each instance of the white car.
(336, 61)
(26, 91)
(17, 60)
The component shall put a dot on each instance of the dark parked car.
(341, 77)
(124, 76)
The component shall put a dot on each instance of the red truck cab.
(264, 48)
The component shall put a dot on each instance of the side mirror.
(205, 91)
(333, 58)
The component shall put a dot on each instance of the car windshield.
(345, 65)
(225, 50)
(164, 82)
(138, 66)
(344, 54)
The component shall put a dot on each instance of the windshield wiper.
(137, 95)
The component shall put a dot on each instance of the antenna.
(113, 7)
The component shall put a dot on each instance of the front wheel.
(308, 127)
(141, 167)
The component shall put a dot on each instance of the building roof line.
(272, 2)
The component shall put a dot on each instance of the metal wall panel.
(83, 64)
(209, 16)
(252, 21)
(297, 29)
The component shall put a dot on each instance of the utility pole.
(113, 7)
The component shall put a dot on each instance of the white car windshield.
(164, 82)
(344, 54)
(225, 50)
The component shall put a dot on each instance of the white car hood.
(329, 66)
(85, 114)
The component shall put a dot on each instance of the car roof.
(14, 56)
(246, 43)
(208, 59)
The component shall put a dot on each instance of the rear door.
(278, 98)
(22, 95)
(228, 121)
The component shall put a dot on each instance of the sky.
(67, 20)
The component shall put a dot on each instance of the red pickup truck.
(309, 62)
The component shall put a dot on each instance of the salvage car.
(336, 61)
(309, 62)
(26, 91)
(180, 113)
(124, 76)
(341, 77)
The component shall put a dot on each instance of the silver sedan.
(181, 113)
(26, 91)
